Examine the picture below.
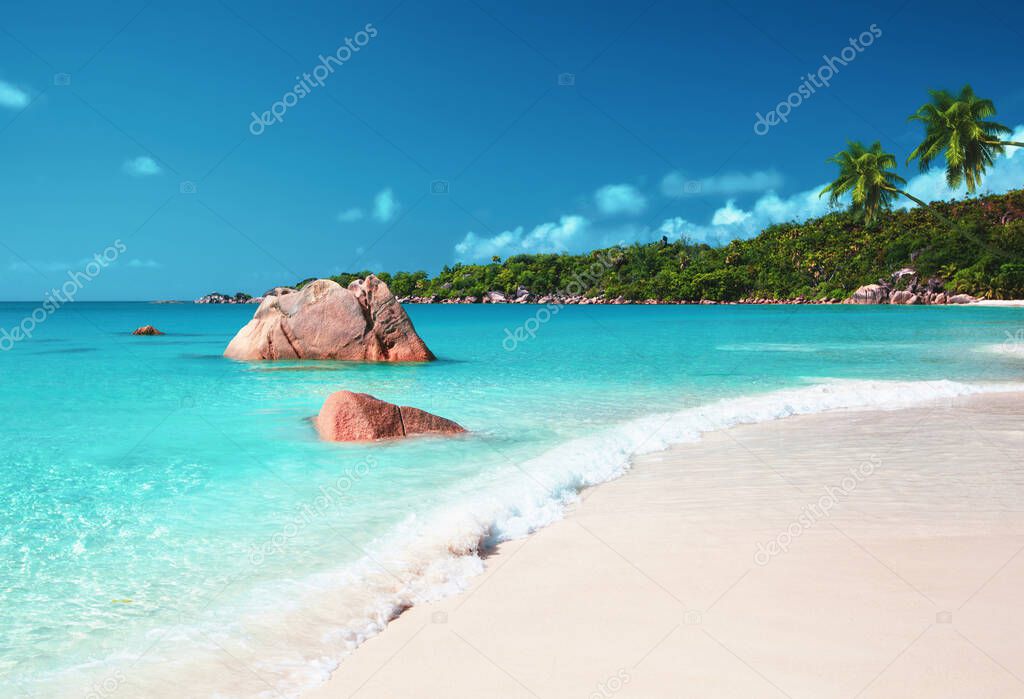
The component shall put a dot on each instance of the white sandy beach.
(900, 577)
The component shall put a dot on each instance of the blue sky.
(446, 132)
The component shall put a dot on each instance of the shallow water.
(168, 513)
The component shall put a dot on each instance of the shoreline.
(602, 301)
(597, 584)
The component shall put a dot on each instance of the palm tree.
(956, 127)
(866, 174)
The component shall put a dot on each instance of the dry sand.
(909, 585)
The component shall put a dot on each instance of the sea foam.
(430, 557)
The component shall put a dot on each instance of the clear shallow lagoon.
(167, 513)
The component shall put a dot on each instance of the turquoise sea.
(170, 524)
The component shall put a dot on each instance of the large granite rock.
(904, 298)
(961, 299)
(327, 321)
(871, 293)
(359, 417)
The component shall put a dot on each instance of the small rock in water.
(146, 330)
(359, 417)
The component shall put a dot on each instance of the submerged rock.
(146, 330)
(327, 321)
(359, 417)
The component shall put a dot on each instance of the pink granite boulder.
(359, 417)
(324, 320)
(904, 298)
(869, 294)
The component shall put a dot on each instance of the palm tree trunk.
(912, 198)
(924, 205)
(1005, 143)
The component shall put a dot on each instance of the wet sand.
(848, 554)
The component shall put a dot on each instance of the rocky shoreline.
(902, 289)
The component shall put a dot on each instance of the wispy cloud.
(616, 199)
(731, 222)
(547, 237)
(144, 264)
(142, 166)
(13, 97)
(385, 206)
(676, 184)
(351, 215)
(727, 222)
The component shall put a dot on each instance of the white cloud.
(144, 264)
(731, 222)
(729, 215)
(728, 222)
(547, 237)
(614, 199)
(676, 185)
(350, 215)
(13, 97)
(141, 166)
(384, 205)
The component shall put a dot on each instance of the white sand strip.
(903, 580)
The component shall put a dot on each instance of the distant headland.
(905, 257)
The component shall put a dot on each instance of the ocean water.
(171, 525)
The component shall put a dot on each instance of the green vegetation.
(827, 257)
(866, 175)
(974, 246)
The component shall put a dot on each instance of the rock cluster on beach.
(904, 289)
(325, 320)
(146, 330)
(359, 417)
(216, 297)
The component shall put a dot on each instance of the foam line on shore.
(436, 556)
(298, 631)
